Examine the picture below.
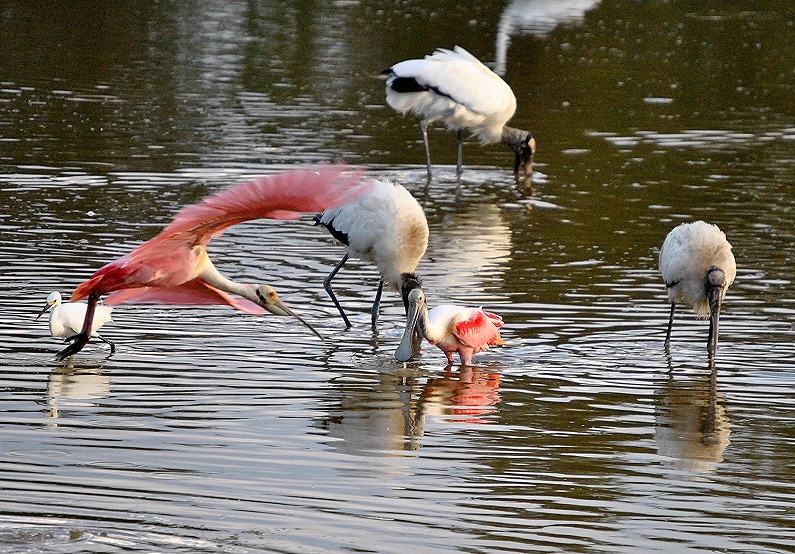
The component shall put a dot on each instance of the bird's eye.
(272, 294)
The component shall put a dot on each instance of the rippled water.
(216, 431)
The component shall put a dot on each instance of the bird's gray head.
(408, 283)
(524, 146)
(715, 284)
(715, 278)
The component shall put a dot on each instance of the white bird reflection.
(75, 386)
(691, 426)
(537, 18)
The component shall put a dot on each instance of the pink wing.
(477, 328)
(192, 293)
(282, 196)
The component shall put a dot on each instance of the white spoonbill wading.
(66, 319)
(697, 265)
(450, 328)
(174, 268)
(453, 86)
(386, 227)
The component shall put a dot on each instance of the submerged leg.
(106, 341)
(460, 158)
(670, 323)
(327, 286)
(424, 129)
(377, 303)
(80, 340)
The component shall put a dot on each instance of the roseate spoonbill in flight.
(451, 328)
(66, 318)
(453, 86)
(174, 268)
(697, 265)
(384, 226)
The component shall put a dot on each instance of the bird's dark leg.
(80, 340)
(377, 303)
(670, 324)
(327, 286)
(424, 129)
(106, 341)
(460, 158)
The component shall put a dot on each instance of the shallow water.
(215, 431)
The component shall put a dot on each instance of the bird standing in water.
(66, 319)
(386, 227)
(453, 86)
(174, 268)
(697, 265)
(450, 328)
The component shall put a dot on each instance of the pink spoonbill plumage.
(450, 328)
(385, 226)
(454, 87)
(697, 265)
(174, 267)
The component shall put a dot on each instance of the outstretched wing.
(192, 293)
(282, 196)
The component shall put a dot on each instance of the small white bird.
(453, 86)
(450, 328)
(66, 318)
(387, 227)
(697, 265)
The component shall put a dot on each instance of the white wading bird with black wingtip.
(66, 318)
(697, 265)
(386, 227)
(453, 86)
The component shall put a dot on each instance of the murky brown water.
(214, 431)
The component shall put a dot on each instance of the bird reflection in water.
(75, 386)
(691, 426)
(389, 415)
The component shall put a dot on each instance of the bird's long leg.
(670, 323)
(80, 340)
(424, 129)
(106, 341)
(460, 159)
(327, 286)
(377, 303)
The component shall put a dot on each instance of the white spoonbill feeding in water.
(174, 268)
(450, 328)
(697, 265)
(386, 227)
(66, 319)
(453, 86)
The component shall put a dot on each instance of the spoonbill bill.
(448, 327)
(697, 265)
(453, 86)
(174, 268)
(384, 226)
(66, 318)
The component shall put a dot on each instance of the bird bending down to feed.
(697, 265)
(174, 268)
(450, 328)
(66, 319)
(453, 86)
(385, 226)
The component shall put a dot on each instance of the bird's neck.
(210, 274)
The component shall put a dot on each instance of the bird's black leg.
(80, 340)
(106, 341)
(460, 158)
(377, 303)
(670, 324)
(424, 129)
(327, 286)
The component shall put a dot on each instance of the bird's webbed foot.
(78, 342)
